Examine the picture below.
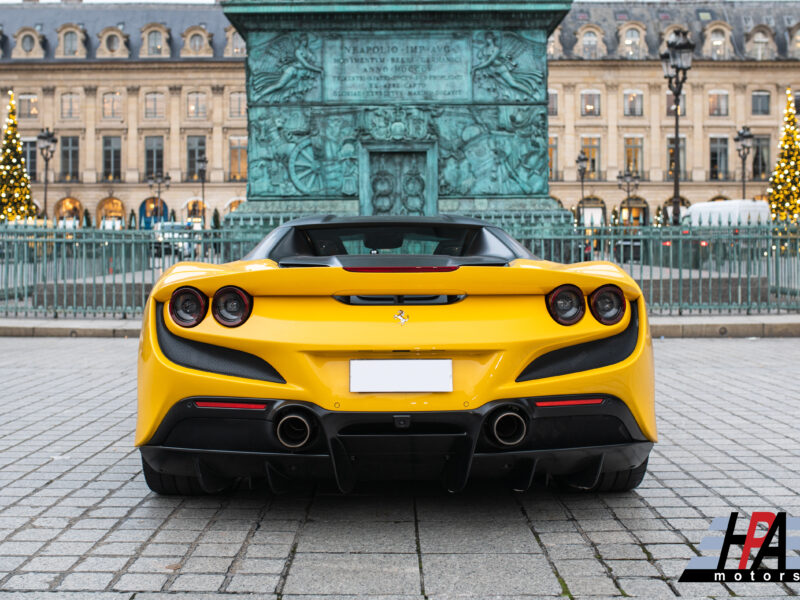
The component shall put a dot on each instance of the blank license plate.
(401, 375)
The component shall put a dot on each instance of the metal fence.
(721, 269)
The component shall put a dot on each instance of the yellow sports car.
(357, 348)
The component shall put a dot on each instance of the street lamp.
(629, 182)
(46, 142)
(582, 161)
(744, 141)
(202, 165)
(675, 62)
(158, 180)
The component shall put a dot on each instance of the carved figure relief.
(287, 67)
(397, 123)
(507, 66)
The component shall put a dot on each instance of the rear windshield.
(390, 239)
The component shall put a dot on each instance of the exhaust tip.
(293, 430)
(509, 428)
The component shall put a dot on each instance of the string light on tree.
(784, 185)
(15, 185)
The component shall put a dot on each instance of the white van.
(727, 212)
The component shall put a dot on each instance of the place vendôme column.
(419, 107)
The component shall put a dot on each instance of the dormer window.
(633, 43)
(719, 50)
(794, 49)
(72, 42)
(759, 44)
(28, 42)
(589, 45)
(197, 42)
(113, 43)
(155, 43)
(237, 45)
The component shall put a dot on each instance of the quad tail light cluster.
(230, 306)
(567, 304)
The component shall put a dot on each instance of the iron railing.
(684, 270)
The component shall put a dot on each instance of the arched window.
(666, 209)
(28, 42)
(151, 212)
(760, 44)
(634, 212)
(794, 49)
(111, 214)
(70, 43)
(719, 48)
(195, 210)
(633, 43)
(238, 47)
(196, 42)
(68, 212)
(154, 43)
(234, 203)
(589, 43)
(112, 105)
(591, 212)
(112, 42)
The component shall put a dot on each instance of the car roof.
(384, 220)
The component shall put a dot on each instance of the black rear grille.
(388, 300)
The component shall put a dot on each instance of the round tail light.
(231, 306)
(607, 304)
(566, 304)
(187, 307)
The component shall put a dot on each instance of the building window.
(718, 104)
(196, 105)
(112, 43)
(794, 49)
(70, 43)
(195, 148)
(28, 106)
(719, 50)
(760, 100)
(634, 155)
(70, 106)
(238, 147)
(718, 158)
(551, 46)
(196, 42)
(112, 105)
(671, 105)
(238, 45)
(112, 158)
(761, 163)
(761, 46)
(30, 156)
(591, 148)
(153, 155)
(552, 154)
(633, 103)
(590, 103)
(28, 42)
(69, 158)
(633, 43)
(590, 45)
(552, 103)
(154, 43)
(671, 157)
(238, 105)
(154, 105)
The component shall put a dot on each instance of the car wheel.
(610, 481)
(165, 484)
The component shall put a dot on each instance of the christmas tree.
(15, 185)
(784, 185)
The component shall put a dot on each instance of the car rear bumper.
(575, 441)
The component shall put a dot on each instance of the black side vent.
(417, 299)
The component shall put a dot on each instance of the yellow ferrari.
(357, 348)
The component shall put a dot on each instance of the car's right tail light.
(607, 304)
(188, 306)
(231, 306)
(566, 304)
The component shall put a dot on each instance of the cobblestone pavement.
(77, 521)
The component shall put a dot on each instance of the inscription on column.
(386, 68)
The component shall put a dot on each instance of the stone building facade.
(131, 91)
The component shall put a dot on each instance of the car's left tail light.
(231, 306)
(188, 306)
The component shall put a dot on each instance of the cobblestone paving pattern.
(78, 522)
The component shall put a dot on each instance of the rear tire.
(165, 484)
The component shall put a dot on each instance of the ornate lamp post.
(158, 180)
(629, 182)
(744, 141)
(582, 161)
(46, 142)
(202, 165)
(676, 62)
